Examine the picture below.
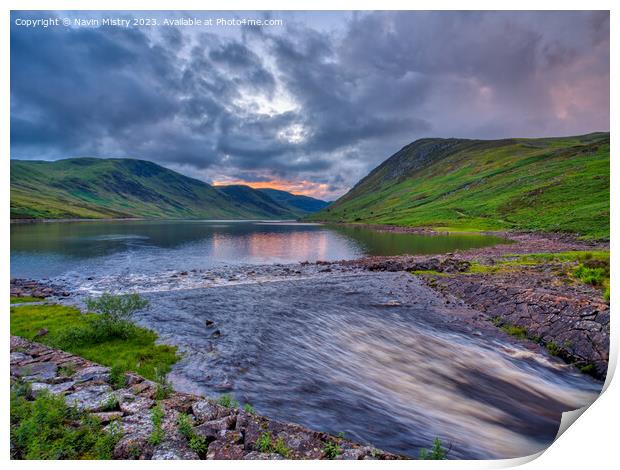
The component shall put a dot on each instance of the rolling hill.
(548, 184)
(122, 188)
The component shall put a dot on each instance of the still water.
(111, 247)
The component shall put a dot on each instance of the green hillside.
(551, 184)
(110, 188)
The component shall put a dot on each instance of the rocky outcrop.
(38, 289)
(229, 433)
(571, 319)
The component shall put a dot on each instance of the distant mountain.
(300, 205)
(118, 187)
(550, 184)
(257, 201)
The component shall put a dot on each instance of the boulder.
(91, 398)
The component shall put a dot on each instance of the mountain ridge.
(545, 184)
(95, 188)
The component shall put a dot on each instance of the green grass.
(265, 443)
(22, 300)
(46, 428)
(557, 184)
(137, 353)
(228, 401)
(94, 188)
(437, 452)
(588, 267)
(331, 450)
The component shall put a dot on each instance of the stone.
(17, 357)
(206, 410)
(42, 332)
(255, 455)
(92, 373)
(132, 404)
(181, 402)
(209, 323)
(38, 371)
(210, 429)
(56, 389)
(91, 398)
(174, 450)
(220, 450)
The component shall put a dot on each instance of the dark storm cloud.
(302, 102)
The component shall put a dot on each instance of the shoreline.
(570, 320)
(231, 433)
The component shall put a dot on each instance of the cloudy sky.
(311, 105)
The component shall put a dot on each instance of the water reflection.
(51, 249)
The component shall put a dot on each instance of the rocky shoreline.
(571, 320)
(230, 433)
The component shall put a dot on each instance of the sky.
(309, 105)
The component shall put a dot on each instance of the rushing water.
(119, 247)
(377, 356)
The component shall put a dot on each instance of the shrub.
(117, 376)
(553, 348)
(198, 444)
(331, 450)
(116, 308)
(157, 418)
(46, 428)
(164, 388)
(67, 370)
(264, 443)
(592, 276)
(436, 453)
(228, 401)
(139, 352)
(249, 409)
(195, 442)
(185, 426)
(111, 404)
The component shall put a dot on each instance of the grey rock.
(255, 455)
(38, 371)
(17, 357)
(174, 450)
(90, 398)
(56, 389)
(93, 373)
(206, 410)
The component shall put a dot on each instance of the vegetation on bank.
(554, 184)
(588, 267)
(107, 337)
(47, 428)
(23, 300)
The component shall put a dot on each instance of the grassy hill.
(551, 184)
(102, 188)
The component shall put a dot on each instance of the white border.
(589, 444)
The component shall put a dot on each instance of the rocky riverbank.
(36, 289)
(230, 433)
(540, 302)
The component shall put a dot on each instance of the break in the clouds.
(311, 105)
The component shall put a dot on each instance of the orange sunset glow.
(303, 187)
